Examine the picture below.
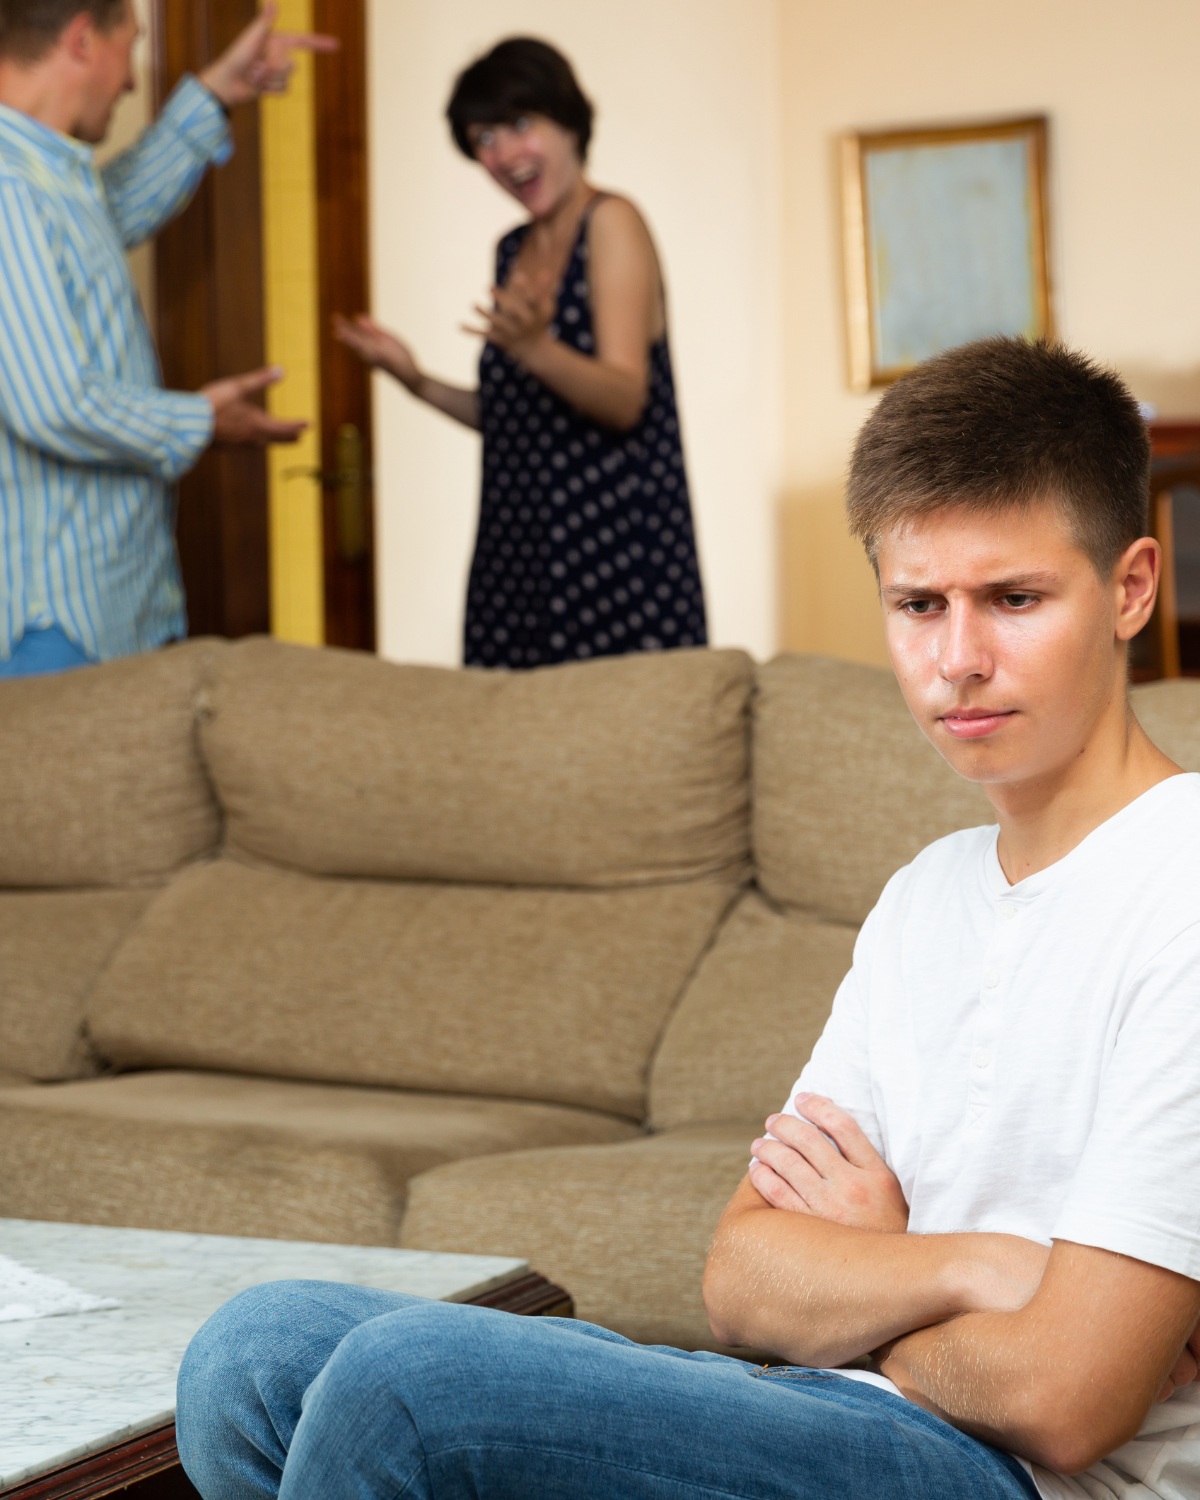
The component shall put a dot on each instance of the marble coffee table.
(87, 1400)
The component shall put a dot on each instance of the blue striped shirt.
(90, 443)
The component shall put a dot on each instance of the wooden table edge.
(118, 1467)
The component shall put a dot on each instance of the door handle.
(351, 495)
(349, 479)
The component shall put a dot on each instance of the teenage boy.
(988, 1178)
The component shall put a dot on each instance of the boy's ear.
(1135, 584)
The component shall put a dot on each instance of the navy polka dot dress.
(585, 544)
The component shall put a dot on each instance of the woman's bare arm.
(626, 317)
(382, 350)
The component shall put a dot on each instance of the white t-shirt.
(1026, 1059)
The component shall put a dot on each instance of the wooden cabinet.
(1170, 646)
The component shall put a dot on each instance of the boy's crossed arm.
(1055, 1355)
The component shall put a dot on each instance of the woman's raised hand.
(520, 313)
(378, 348)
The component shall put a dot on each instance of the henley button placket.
(987, 1017)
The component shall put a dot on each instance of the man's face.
(1003, 638)
(108, 73)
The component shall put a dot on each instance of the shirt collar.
(21, 132)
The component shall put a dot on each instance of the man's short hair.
(29, 28)
(1004, 423)
(519, 76)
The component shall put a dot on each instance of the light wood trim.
(864, 369)
(1166, 613)
(854, 255)
(289, 214)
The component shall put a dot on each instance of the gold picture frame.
(944, 240)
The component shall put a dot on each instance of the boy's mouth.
(975, 723)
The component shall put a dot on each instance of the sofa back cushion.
(846, 787)
(102, 782)
(53, 947)
(750, 1016)
(528, 993)
(606, 773)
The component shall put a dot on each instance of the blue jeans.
(316, 1391)
(41, 651)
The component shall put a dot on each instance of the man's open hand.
(236, 418)
(259, 60)
(842, 1179)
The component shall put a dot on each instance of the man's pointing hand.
(259, 60)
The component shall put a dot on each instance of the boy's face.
(1008, 646)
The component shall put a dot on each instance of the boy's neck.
(1042, 820)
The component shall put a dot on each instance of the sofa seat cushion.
(621, 770)
(103, 783)
(750, 1017)
(214, 1154)
(53, 946)
(846, 787)
(531, 994)
(625, 1228)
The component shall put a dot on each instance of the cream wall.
(131, 116)
(688, 125)
(1119, 85)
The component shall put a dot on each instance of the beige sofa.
(298, 943)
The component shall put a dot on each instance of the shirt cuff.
(196, 116)
(1138, 1236)
(191, 433)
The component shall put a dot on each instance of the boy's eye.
(1018, 601)
(521, 124)
(918, 606)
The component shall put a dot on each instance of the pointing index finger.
(308, 41)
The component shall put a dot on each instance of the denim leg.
(436, 1402)
(244, 1375)
(39, 652)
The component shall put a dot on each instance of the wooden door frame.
(210, 312)
(344, 287)
(209, 303)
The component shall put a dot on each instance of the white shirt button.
(991, 979)
(982, 1057)
(1007, 913)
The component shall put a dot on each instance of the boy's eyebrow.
(1011, 585)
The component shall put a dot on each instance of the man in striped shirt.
(90, 443)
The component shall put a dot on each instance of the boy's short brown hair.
(1003, 423)
(29, 28)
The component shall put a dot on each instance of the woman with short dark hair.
(585, 545)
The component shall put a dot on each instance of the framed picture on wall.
(945, 241)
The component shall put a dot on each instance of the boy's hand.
(1187, 1367)
(846, 1182)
